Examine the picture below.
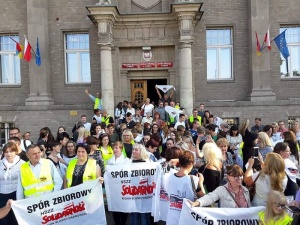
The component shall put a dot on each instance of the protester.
(105, 148)
(231, 195)
(81, 169)
(139, 155)
(235, 139)
(128, 142)
(271, 177)
(227, 160)
(275, 210)
(69, 153)
(9, 174)
(212, 170)
(290, 138)
(118, 158)
(49, 179)
(249, 139)
(181, 185)
(264, 144)
(291, 170)
(58, 162)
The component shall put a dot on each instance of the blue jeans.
(139, 218)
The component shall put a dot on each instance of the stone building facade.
(135, 44)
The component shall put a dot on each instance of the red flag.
(27, 51)
(258, 52)
(267, 39)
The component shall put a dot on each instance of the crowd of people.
(216, 163)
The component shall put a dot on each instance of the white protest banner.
(161, 199)
(165, 88)
(218, 216)
(130, 187)
(79, 205)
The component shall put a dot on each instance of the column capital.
(185, 44)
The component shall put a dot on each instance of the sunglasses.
(280, 206)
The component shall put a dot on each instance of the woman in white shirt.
(117, 159)
(9, 173)
(148, 107)
(271, 177)
(130, 109)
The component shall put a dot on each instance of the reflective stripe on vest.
(105, 120)
(33, 186)
(123, 150)
(199, 118)
(106, 153)
(89, 171)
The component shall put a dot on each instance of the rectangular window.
(77, 58)
(9, 61)
(292, 36)
(219, 53)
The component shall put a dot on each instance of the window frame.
(78, 53)
(290, 58)
(14, 76)
(218, 48)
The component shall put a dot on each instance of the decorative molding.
(145, 4)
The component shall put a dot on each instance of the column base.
(42, 99)
(262, 95)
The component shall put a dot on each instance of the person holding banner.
(118, 158)
(9, 173)
(139, 155)
(181, 185)
(232, 195)
(81, 169)
(275, 210)
(37, 176)
(164, 88)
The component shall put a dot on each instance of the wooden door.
(138, 90)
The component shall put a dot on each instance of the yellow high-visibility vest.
(198, 118)
(89, 171)
(105, 120)
(106, 153)
(123, 150)
(283, 220)
(35, 186)
(97, 102)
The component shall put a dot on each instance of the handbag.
(251, 188)
(194, 188)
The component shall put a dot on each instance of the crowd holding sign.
(130, 187)
(218, 216)
(75, 205)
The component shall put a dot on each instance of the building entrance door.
(142, 89)
(138, 90)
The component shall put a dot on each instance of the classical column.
(107, 85)
(258, 18)
(186, 77)
(39, 77)
(187, 15)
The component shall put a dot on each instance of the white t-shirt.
(262, 188)
(178, 188)
(179, 123)
(148, 108)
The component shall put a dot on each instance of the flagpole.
(31, 46)
(13, 40)
(287, 66)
